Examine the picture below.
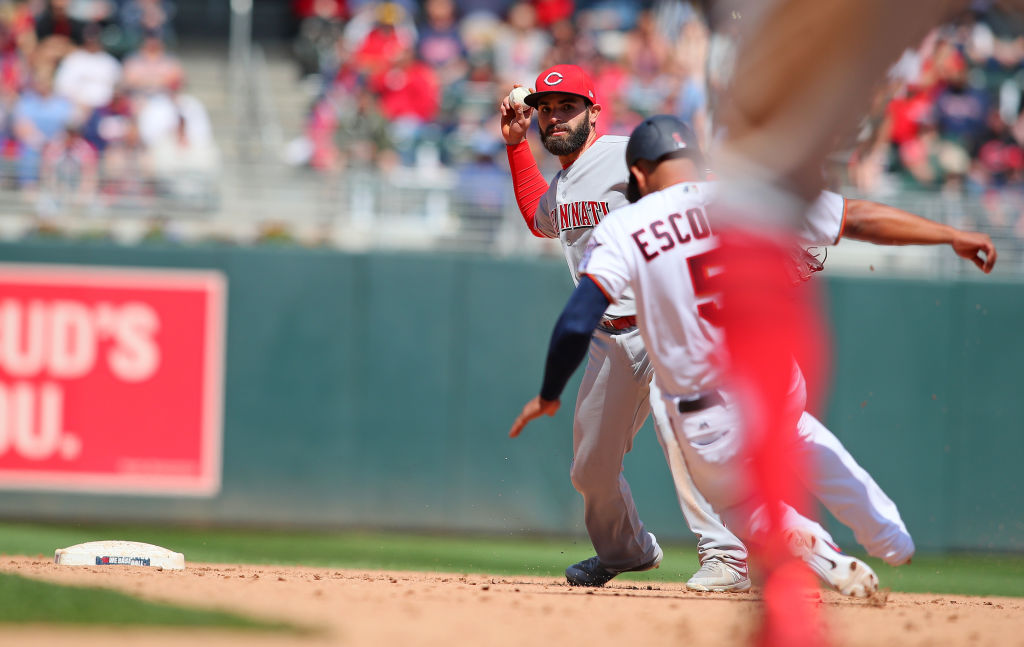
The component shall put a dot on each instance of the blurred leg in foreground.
(804, 75)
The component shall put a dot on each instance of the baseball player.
(615, 396)
(678, 315)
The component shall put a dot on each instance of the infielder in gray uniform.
(615, 395)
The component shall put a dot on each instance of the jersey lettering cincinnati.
(579, 215)
(664, 234)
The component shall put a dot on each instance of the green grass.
(24, 601)
(963, 574)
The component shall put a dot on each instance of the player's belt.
(619, 323)
(702, 401)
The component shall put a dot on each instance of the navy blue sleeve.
(571, 336)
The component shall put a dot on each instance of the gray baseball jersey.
(579, 197)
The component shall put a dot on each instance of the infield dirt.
(380, 608)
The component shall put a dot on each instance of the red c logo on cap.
(558, 78)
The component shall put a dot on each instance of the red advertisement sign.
(111, 379)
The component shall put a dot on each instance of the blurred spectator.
(520, 47)
(375, 36)
(109, 122)
(363, 133)
(125, 165)
(56, 21)
(721, 59)
(611, 79)
(410, 97)
(647, 55)
(672, 17)
(18, 26)
(319, 31)
(689, 58)
(57, 34)
(13, 65)
(483, 189)
(152, 70)
(906, 113)
(139, 19)
(479, 31)
(960, 110)
(160, 115)
(407, 89)
(467, 109)
(440, 44)
(70, 171)
(345, 129)
(646, 48)
(567, 45)
(39, 117)
(1000, 160)
(185, 165)
(88, 74)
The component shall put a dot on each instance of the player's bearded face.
(566, 144)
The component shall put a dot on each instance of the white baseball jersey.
(579, 197)
(664, 248)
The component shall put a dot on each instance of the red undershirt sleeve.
(527, 182)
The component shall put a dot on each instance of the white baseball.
(517, 95)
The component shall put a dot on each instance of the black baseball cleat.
(591, 572)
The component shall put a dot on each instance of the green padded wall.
(377, 390)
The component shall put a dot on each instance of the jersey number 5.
(705, 273)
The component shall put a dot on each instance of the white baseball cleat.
(845, 574)
(715, 575)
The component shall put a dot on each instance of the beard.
(569, 144)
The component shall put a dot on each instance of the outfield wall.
(377, 390)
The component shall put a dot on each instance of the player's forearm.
(527, 182)
(566, 352)
(885, 225)
(571, 337)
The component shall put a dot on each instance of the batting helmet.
(657, 138)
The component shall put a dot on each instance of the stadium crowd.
(410, 84)
(950, 116)
(93, 112)
(404, 83)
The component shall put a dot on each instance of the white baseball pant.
(710, 443)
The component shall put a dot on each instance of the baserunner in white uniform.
(684, 343)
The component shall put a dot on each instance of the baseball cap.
(570, 79)
(660, 136)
